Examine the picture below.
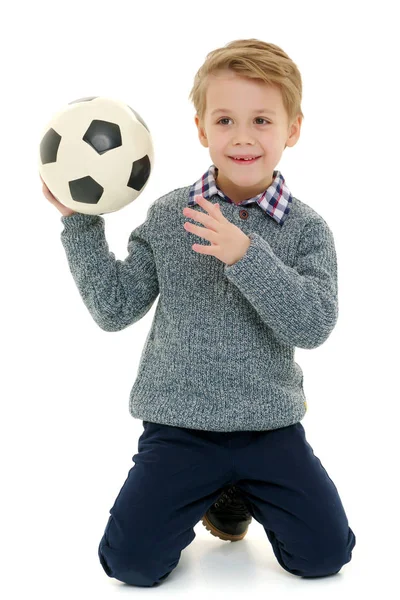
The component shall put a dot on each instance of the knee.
(322, 567)
(327, 561)
(326, 564)
(126, 568)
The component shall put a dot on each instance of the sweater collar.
(275, 200)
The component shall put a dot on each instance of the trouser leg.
(290, 493)
(178, 474)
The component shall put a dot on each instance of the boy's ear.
(294, 132)
(201, 132)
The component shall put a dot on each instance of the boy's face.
(239, 129)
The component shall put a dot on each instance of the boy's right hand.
(64, 210)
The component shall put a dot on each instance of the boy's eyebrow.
(260, 110)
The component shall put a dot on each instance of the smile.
(241, 161)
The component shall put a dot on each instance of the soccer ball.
(96, 155)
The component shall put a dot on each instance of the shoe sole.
(221, 534)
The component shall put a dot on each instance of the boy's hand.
(228, 242)
(64, 210)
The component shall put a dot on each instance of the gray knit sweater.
(219, 355)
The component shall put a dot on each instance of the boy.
(217, 387)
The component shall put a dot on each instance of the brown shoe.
(228, 518)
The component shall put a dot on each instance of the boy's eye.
(259, 118)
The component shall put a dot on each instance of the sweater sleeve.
(299, 304)
(117, 293)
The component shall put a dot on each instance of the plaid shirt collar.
(275, 200)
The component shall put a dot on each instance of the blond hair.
(257, 60)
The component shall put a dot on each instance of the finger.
(205, 203)
(203, 232)
(203, 249)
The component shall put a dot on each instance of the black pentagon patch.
(103, 136)
(86, 190)
(140, 173)
(139, 118)
(83, 99)
(49, 147)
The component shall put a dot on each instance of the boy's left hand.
(228, 242)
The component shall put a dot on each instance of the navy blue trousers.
(179, 473)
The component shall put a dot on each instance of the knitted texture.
(219, 355)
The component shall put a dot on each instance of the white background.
(67, 438)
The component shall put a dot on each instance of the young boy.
(245, 272)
